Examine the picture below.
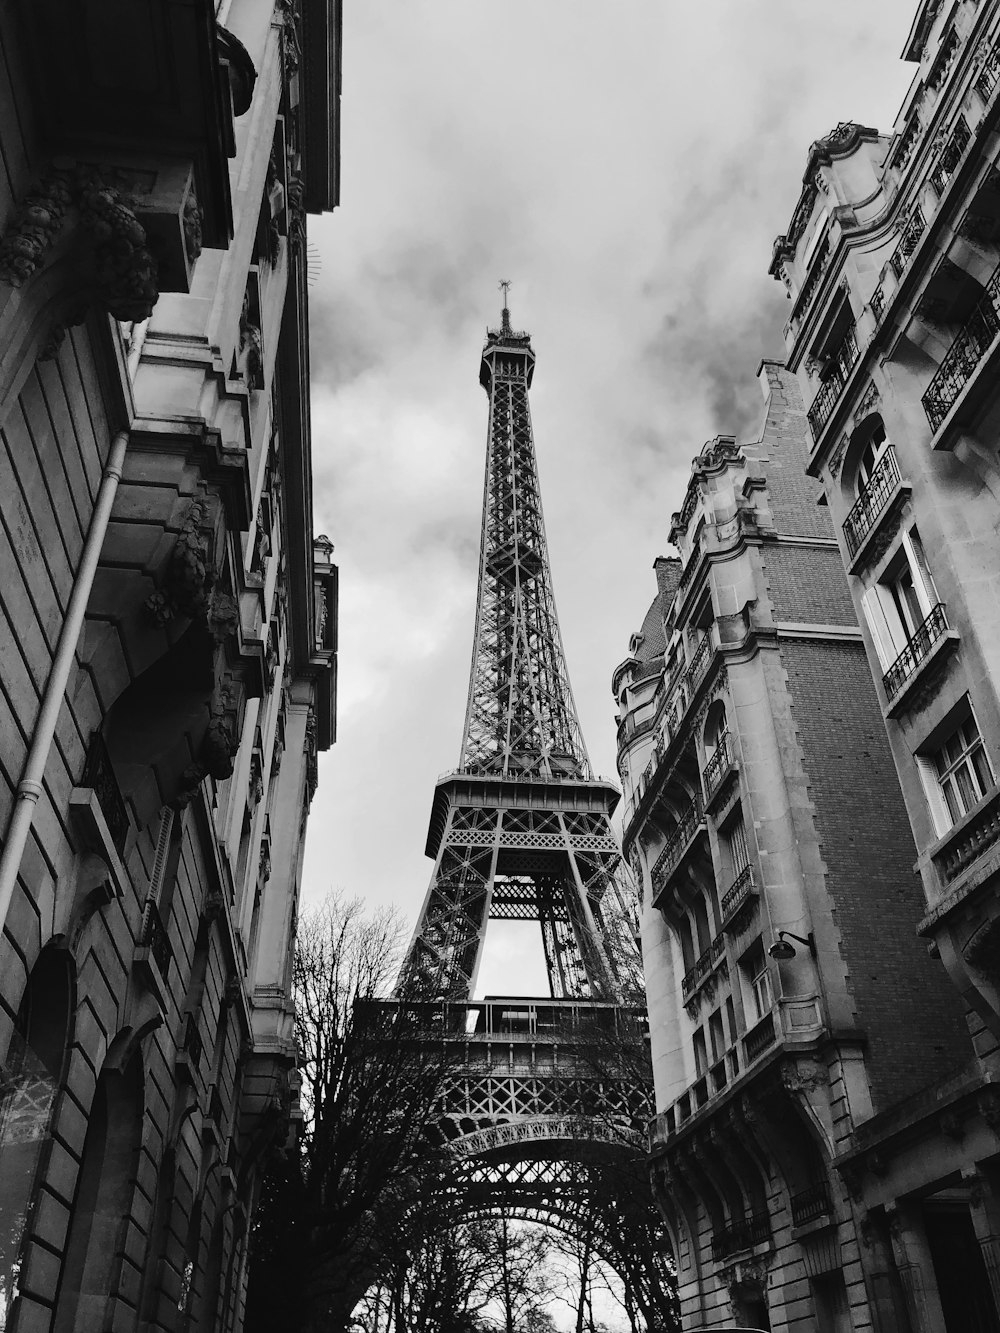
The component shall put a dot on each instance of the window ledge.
(926, 679)
(878, 539)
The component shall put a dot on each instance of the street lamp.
(783, 951)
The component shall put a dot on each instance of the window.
(959, 773)
(757, 996)
(875, 450)
(901, 601)
(700, 1053)
(717, 1035)
(736, 842)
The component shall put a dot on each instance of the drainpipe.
(30, 787)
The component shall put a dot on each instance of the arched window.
(872, 455)
(103, 1202)
(29, 1084)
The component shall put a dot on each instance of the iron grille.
(810, 1203)
(759, 1038)
(964, 355)
(741, 1234)
(694, 976)
(99, 775)
(718, 766)
(699, 663)
(872, 501)
(155, 939)
(830, 390)
(738, 892)
(878, 304)
(915, 652)
(910, 235)
(950, 155)
(192, 1040)
(989, 76)
(669, 858)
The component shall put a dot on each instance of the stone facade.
(892, 266)
(167, 638)
(792, 1008)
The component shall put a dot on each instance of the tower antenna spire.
(505, 285)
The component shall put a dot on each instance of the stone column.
(985, 1209)
(916, 1271)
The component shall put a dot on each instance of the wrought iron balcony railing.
(699, 663)
(155, 938)
(832, 387)
(741, 1234)
(917, 649)
(759, 1038)
(99, 775)
(969, 348)
(810, 1203)
(737, 893)
(694, 976)
(908, 238)
(872, 501)
(989, 76)
(877, 304)
(950, 156)
(670, 856)
(718, 766)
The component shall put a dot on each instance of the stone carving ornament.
(111, 242)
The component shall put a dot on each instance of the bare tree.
(372, 1074)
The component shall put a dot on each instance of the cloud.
(628, 167)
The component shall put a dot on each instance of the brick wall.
(911, 1014)
(807, 585)
(784, 453)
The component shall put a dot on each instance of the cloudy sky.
(628, 166)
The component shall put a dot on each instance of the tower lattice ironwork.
(541, 1113)
(521, 830)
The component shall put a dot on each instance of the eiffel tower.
(538, 1112)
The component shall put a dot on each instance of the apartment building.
(167, 638)
(794, 1013)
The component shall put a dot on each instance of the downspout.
(30, 787)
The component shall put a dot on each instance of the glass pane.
(966, 789)
(983, 775)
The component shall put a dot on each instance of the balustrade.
(950, 156)
(737, 893)
(872, 501)
(980, 833)
(669, 857)
(718, 766)
(155, 938)
(759, 1038)
(910, 235)
(916, 651)
(743, 1233)
(810, 1203)
(704, 966)
(963, 356)
(841, 365)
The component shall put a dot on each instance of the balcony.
(916, 652)
(736, 897)
(964, 355)
(704, 967)
(809, 1204)
(718, 768)
(699, 664)
(155, 938)
(690, 823)
(976, 834)
(759, 1038)
(741, 1234)
(872, 501)
(841, 365)
(989, 76)
(907, 243)
(950, 156)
